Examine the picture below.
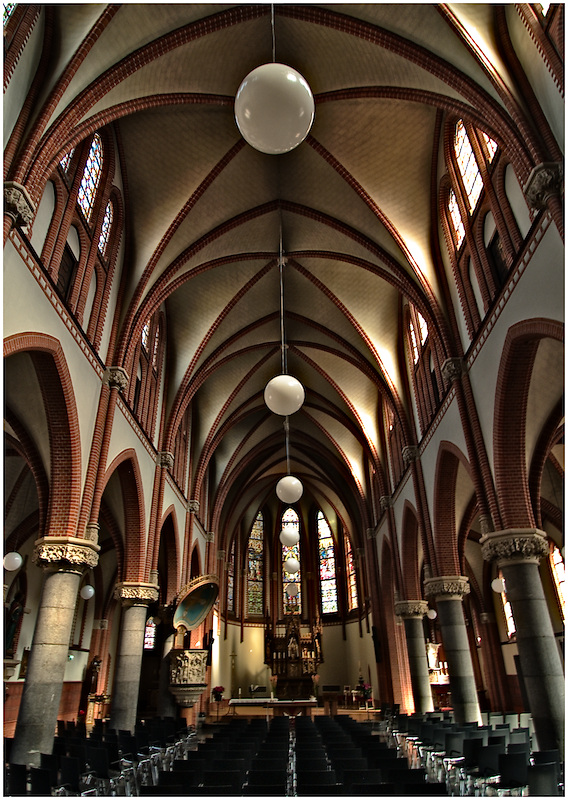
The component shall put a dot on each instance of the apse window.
(557, 567)
(455, 216)
(328, 583)
(292, 582)
(231, 580)
(150, 634)
(255, 563)
(8, 11)
(91, 177)
(66, 160)
(469, 170)
(508, 611)
(352, 599)
(105, 229)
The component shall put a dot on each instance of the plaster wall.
(21, 80)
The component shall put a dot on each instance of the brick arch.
(169, 545)
(195, 562)
(409, 557)
(58, 399)
(509, 429)
(445, 524)
(128, 470)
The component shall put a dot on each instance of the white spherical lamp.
(291, 565)
(498, 585)
(431, 613)
(12, 561)
(284, 395)
(289, 537)
(87, 592)
(289, 489)
(274, 108)
(292, 589)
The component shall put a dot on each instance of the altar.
(276, 708)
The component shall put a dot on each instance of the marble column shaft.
(517, 553)
(135, 599)
(412, 613)
(448, 591)
(64, 560)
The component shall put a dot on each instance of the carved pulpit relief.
(187, 666)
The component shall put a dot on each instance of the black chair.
(268, 763)
(372, 789)
(263, 790)
(358, 776)
(315, 790)
(341, 765)
(319, 777)
(513, 772)
(542, 779)
(17, 779)
(414, 789)
(50, 761)
(161, 791)
(221, 777)
(263, 777)
(40, 782)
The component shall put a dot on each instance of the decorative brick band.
(515, 546)
(447, 587)
(66, 553)
(545, 181)
(136, 593)
(18, 204)
(410, 609)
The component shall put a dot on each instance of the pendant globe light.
(87, 592)
(274, 106)
(289, 537)
(292, 589)
(289, 489)
(12, 561)
(291, 565)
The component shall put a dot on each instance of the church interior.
(283, 374)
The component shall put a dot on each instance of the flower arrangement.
(364, 691)
(274, 680)
(217, 692)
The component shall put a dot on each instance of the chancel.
(284, 398)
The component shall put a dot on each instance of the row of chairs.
(473, 759)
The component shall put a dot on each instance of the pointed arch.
(128, 471)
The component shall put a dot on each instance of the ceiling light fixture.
(12, 561)
(274, 106)
(289, 489)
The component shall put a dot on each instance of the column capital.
(18, 204)
(66, 554)
(165, 459)
(410, 453)
(545, 181)
(447, 587)
(210, 536)
(453, 369)
(486, 617)
(193, 506)
(515, 546)
(410, 609)
(92, 532)
(136, 593)
(386, 502)
(371, 533)
(116, 378)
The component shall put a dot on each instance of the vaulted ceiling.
(355, 205)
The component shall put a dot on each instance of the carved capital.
(18, 204)
(66, 553)
(410, 609)
(221, 555)
(116, 378)
(545, 181)
(100, 624)
(371, 533)
(386, 501)
(210, 536)
(486, 617)
(410, 453)
(133, 593)
(514, 546)
(453, 369)
(447, 587)
(165, 459)
(193, 506)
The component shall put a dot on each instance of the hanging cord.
(287, 432)
(282, 334)
(273, 34)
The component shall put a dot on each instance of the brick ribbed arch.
(128, 470)
(410, 552)
(169, 550)
(445, 530)
(60, 407)
(509, 430)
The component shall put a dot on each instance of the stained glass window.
(292, 603)
(455, 214)
(66, 160)
(328, 584)
(558, 573)
(150, 634)
(507, 610)
(255, 561)
(8, 10)
(422, 326)
(415, 352)
(491, 146)
(105, 229)
(145, 335)
(91, 177)
(231, 579)
(467, 164)
(352, 599)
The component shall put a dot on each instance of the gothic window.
(231, 579)
(145, 394)
(557, 567)
(150, 634)
(91, 177)
(468, 167)
(507, 610)
(146, 335)
(255, 567)
(292, 602)
(424, 377)
(455, 216)
(352, 600)
(181, 450)
(328, 583)
(105, 229)
(66, 160)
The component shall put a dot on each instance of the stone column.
(517, 553)
(448, 591)
(412, 612)
(64, 559)
(135, 598)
